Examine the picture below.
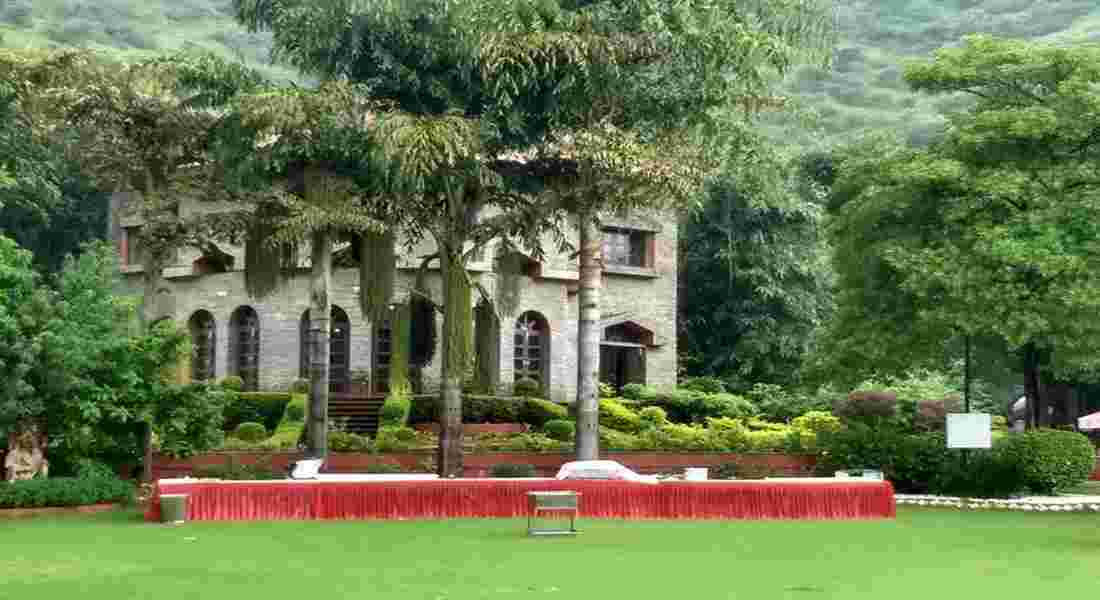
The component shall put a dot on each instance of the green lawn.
(927, 554)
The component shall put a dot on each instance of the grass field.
(923, 554)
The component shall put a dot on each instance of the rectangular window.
(626, 248)
(131, 246)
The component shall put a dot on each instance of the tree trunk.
(455, 342)
(588, 338)
(152, 278)
(319, 314)
(1032, 388)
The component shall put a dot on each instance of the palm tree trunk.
(455, 333)
(319, 315)
(588, 338)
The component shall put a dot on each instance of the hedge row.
(492, 409)
(1038, 461)
(61, 491)
(266, 408)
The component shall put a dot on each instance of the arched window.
(203, 345)
(532, 348)
(339, 349)
(383, 350)
(244, 346)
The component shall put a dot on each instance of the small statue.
(26, 456)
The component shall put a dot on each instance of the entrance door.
(622, 364)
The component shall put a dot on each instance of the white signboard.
(969, 430)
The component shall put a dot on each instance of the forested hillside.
(864, 90)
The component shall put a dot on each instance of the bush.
(723, 405)
(817, 421)
(676, 437)
(526, 388)
(489, 409)
(617, 440)
(682, 406)
(653, 417)
(396, 409)
(299, 386)
(607, 390)
(640, 392)
(560, 429)
(251, 432)
(1051, 460)
(295, 411)
(286, 437)
(615, 415)
(190, 419)
(867, 406)
(267, 408)
(776, 403)
(537, 412)
(530, 442)
(728, 434)
(512, 470)
(705, 385)
(395, 439)
(233, 383)
(62, 491)
(343, 441)
(87, 468)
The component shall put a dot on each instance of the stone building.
(262, 340)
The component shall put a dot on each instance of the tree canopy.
(991, 232)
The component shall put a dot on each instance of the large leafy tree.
(990, 234)
(73, 366)
(46, 204)
(754, 272)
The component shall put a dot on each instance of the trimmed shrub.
(728, 434)
(299, 386)
(232, 383)
(617, 440)
(251, 432)
(527, 388)
(653, 417)
(256, 407)
(87, 468)
(1050, 460)
(489, 409)
(640, 392)
(395, 439)
(682, 406)
(396, 409)
(676, 437)
(344, 441)
(530, 442)
(607, 390)
(705, 385)
(63, 491)
(560, 429)
(768, 440)
(816, 421)
(537, 412)
(295, 411)
(723, 405)
(512, 470)
(618, 417)
(286, 437)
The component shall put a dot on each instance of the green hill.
(864, 89)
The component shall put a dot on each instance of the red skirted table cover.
(507, 498)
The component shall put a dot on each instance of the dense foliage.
(64, 491)
(73, 363)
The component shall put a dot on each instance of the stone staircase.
(361, 412)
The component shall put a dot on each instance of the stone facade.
(642, 297)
